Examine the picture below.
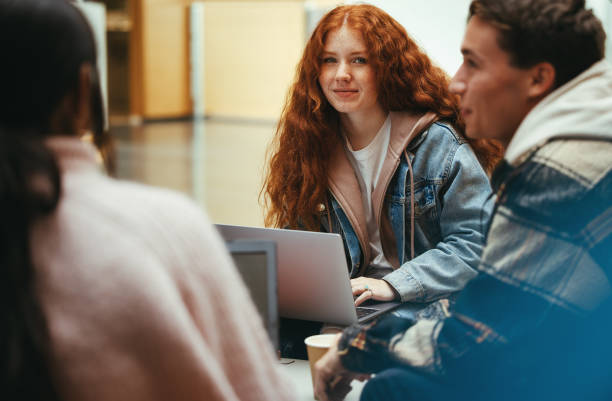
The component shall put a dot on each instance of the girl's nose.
(343, 72)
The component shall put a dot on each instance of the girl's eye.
(329, 60)
(360, 60)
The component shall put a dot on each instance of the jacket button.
(321, 207)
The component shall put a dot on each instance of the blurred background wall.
(195, 88)
(250, 50)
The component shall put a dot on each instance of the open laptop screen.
(313, 276)
(256, 262)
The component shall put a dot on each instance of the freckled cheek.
(322, 80)
(372, 85)
(372, 91)
(325, 87)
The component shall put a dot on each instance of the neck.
(361, 128)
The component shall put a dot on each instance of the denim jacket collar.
(344, 186)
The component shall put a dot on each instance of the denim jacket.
(451, 203)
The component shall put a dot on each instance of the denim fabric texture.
(452, 206)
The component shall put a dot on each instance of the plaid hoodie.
(536, 323)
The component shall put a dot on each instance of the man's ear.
(542, 80)
(83, 99)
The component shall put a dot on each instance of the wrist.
(396, 294)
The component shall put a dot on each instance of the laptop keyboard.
(362, 311)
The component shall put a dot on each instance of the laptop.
(313, 275)
(256, 263)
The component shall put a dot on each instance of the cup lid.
(320, 340)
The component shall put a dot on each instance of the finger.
(340, 391)
(342, 381)
(335, 390)
(362, 377)
(320, 389)
(359, 289)
(335, 381)
(363, 297)
(320, 395)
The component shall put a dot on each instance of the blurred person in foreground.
(110, 290)
(536, 322)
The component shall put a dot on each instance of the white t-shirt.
(367, 163)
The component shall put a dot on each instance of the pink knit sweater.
(141, 299)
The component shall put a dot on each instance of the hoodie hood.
(582, 108)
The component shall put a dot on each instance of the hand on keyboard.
(370, 288)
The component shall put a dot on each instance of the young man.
(537, 321)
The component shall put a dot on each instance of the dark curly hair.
(297, 178)
(561, 32)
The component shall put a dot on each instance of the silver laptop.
(256, 263)
(313, 276)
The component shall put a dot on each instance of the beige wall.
(159, 59)
(251, 50)
(166, 53)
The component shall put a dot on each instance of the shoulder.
(586, 161)
(554, 215)
(445, 131)
(148, 247)
(428, 125)
(125, 218)
(439, 137)
(441, 147)
(565, 185)
(131, 203)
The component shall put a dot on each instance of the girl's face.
(346, 76)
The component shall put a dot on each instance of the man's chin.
(473, 133)
(481, 134)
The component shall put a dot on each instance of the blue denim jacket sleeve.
(465, 211)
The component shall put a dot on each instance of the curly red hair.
(308, 130)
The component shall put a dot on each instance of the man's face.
(494, 94)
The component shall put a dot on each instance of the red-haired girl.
(370, 145)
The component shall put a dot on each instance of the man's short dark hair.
(561, 32)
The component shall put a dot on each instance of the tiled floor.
(217, 162)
